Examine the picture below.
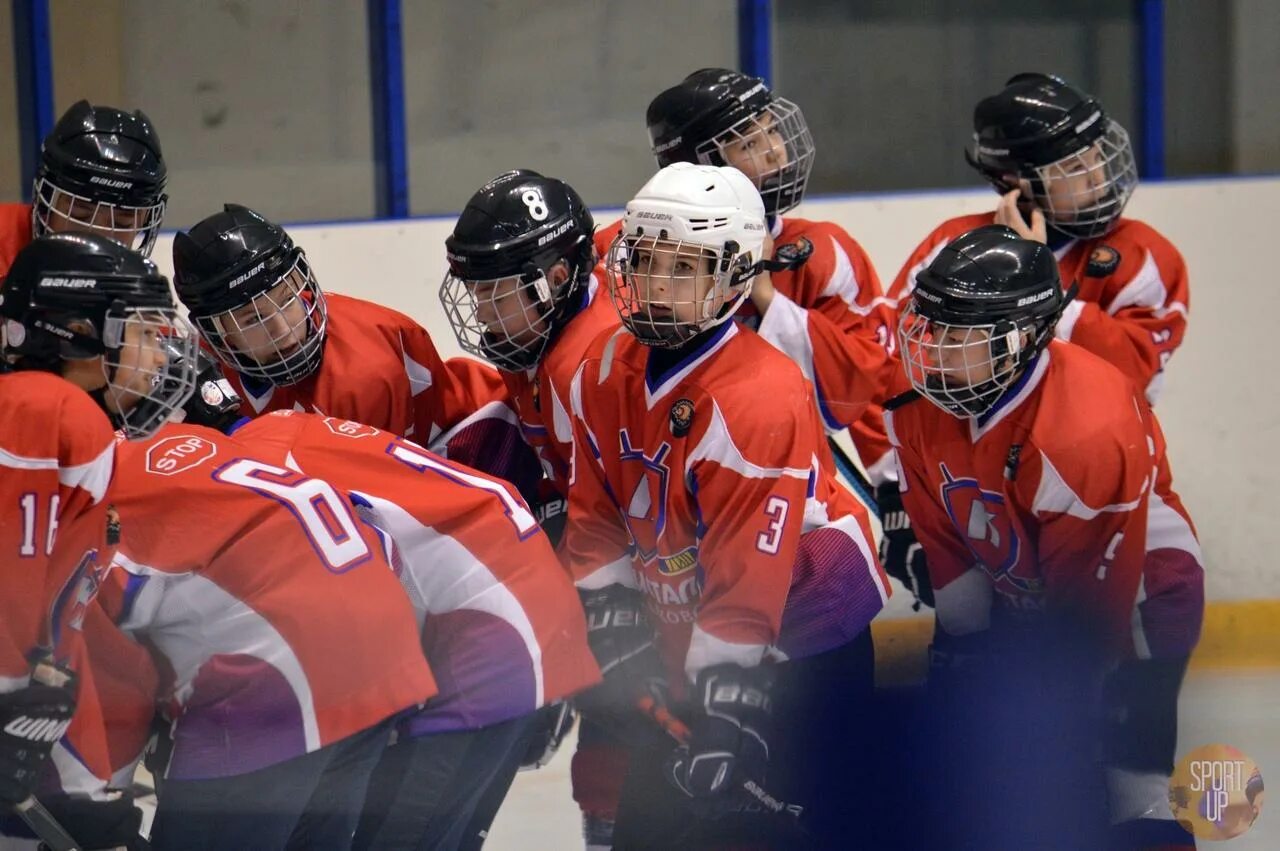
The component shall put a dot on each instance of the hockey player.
(1036, 505)
(101, 171)
(288, 643)
(1065, 171)
(817, 298)
(501, 624)
(83, 322)
(286, 344)
(720, 518)
(521, 292)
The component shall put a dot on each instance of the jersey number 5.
(322, 513)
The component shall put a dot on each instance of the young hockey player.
(1042, 507)
(501, 624)
(83, 323)
(714, 511)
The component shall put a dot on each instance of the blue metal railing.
(33, 71)
(386, 82)
(1151, 88)
(755, 38)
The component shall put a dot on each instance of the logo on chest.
(644, 509)
(983, 519)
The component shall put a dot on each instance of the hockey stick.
(679, 731)
(45, 826)
(853, 474)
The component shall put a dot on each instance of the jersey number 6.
(323, 514)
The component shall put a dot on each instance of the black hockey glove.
(730, 730)
(900, 553)
(32, 720)
(112, 824)
(622, 641)
(550, 727)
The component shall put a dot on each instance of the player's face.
(73, 214)
(756, 148)
(1078, 183)
(140, 364)
(507, 310)
(671, 281)
(963, 356)
(272, 326)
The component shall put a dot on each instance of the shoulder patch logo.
(177, 454)
(347, 428)
(681, 417)
(1103, 260)
(793, 254)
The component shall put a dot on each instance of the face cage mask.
(135, 228)
(282, 328)
(1093, 185)
(519, 310)
(142, 395)
(765, 140)
(963, 369)
(654, 284)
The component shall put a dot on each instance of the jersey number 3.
(769, 540)
(321, 512)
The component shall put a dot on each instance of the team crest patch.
(347, 428)
(794, 254)
(681, 417)
(681, 562)
(1102, 261)
(982, 519)
(173, 455)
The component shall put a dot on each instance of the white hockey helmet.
(691, 242)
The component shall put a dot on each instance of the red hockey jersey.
(272, 605)
(57, 454)
(502, 624)
(1131, 309)
(724, 511)
(380, 367)
(15, 233)
(541, 395)
(1056, 501)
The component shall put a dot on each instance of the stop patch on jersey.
(173, 455)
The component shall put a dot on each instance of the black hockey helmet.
(1041, 130)
(74, 296)
(517, 226)
(709, 111)
(241, 276)
(101, 169)
(979, 314)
